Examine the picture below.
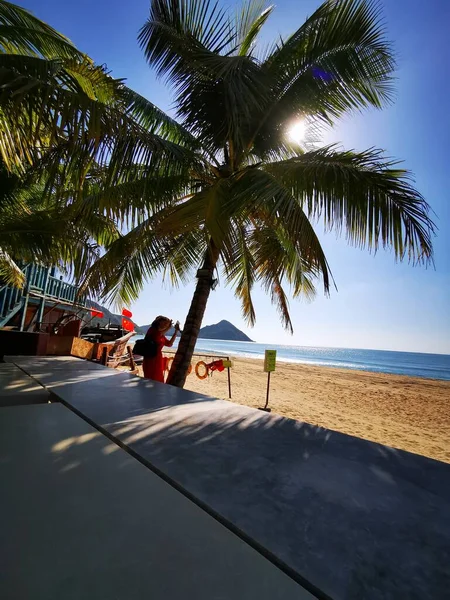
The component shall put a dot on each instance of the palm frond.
(217, 92)
(47, 237)
(119, 275)
(10, 272)
(203, 209)
(339, 60)
(279, 260)
(271, 261)
(99, 134)
(50, 230)
(134, 258)
(250, 20)
(176, 29)
(22, 33)
(43, 101)
(368, 196)
(74, 103)
(240, 269)
(154, 120)
(218, 108)
(257, 194)
(182, 256)
(134, 199)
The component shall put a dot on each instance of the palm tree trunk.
(182, 360)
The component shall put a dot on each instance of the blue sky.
(379, 303)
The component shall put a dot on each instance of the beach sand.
(409, 413)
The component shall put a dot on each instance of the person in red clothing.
(154, 367)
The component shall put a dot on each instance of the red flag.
(127, 313)
(127, 325)
(216, 365)
(97, 313)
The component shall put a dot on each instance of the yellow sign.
(270, 360)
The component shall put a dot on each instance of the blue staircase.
(41, 285)
(11, 301)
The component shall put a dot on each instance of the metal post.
(229, 379)
(6, 292)
(104, 357)
(130, 354)
(38, 279)
(14, 298)
(30, 276)
(268, 388)
(42, 303)
(24, 311)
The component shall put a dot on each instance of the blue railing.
(11, 299)
(39, 281)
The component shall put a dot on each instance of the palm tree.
(45, 85)
(37, 227)
(247, 206)
(62, 119)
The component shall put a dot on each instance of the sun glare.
(296, 133)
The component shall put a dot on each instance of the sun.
(297, 131)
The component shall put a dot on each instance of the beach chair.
(114, 354)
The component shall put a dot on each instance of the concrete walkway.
(83, 520)
(353, 518)
(17, 388)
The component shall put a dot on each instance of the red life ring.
(197, 370)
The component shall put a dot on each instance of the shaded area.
(355, 518)
(17, 388)
(411, 414)
(84, 520)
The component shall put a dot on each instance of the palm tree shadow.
(333, 507)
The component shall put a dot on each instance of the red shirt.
(154, 367)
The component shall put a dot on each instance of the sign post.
(270, 361)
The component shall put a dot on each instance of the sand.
(408, 413)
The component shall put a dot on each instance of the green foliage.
(255, 196)
(64, 126)
(35, 227)
(221, 179)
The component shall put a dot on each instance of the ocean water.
(434, 366)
